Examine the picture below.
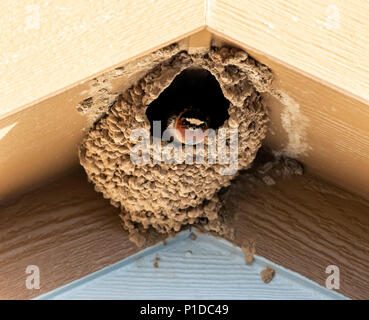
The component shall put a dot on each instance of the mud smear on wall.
(169, 197)
(294, 123)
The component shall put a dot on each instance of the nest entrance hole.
(194, 89)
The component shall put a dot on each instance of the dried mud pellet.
(267, 274)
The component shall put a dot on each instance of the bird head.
(191, 126)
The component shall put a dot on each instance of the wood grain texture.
(306, 224)
(69, 231)
(66, 229)
(48, 46)
(328, 41)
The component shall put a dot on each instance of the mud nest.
(169, 197)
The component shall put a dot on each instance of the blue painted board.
(205, 268)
